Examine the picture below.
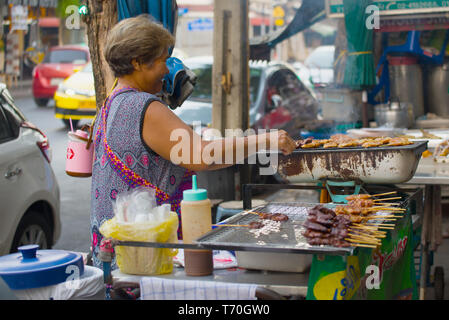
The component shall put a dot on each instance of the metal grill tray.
(288, 240)
(394, 164)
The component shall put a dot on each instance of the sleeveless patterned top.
(124, 136)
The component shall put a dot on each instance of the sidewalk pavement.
(22, 89)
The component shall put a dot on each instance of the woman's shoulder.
(140, 98)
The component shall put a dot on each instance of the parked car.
(59, 63)
(75, 97)
(29, 191)
(278, 99)
(304, 74)
(321, 65)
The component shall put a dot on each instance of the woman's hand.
(280, 140)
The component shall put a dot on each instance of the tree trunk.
(101, 18)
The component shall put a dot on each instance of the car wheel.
(33, 229)
(67, 123)
(41, 102)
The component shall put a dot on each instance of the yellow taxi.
(75, 97)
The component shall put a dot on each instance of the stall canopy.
(310, 12)
(164, 11)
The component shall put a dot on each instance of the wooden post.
(230, 75)
(102, 16)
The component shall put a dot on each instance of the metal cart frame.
(421, 224)
(247, 197)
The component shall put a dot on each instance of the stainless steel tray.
(368, 165)
(288, 240)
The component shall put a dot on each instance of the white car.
(320, 64)
(29, 191)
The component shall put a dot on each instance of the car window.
(12, 115)
(254, 83)
(5, 130)
(13, 112)
(281, 86)
(203, 87)
(66, 56)
(285, 89)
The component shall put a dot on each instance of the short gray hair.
(141, 38)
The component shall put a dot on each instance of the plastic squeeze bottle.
(196, 219)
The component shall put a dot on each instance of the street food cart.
(350, 272)
(335, 272)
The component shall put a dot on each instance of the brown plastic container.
(196, 218)
(198, 262)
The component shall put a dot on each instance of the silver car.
(29, 191)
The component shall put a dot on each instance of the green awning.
(359, 71)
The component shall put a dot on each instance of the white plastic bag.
(136, 204)
(138, 218)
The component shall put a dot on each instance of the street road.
(75, 192)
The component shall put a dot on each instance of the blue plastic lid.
(194, 194)
(33, 268)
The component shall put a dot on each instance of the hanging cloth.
(164, 11)
(359, 71)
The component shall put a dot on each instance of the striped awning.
(35, 3)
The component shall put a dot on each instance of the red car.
(59, 63)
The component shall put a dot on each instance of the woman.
(133, 144)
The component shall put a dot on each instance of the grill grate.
(287, 238)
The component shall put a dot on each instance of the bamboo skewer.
(370, 234)
(356, 240)
(367, 228)
(382, 220)
(371, 229)
(385, 199)
(376, 216)
(386, 209)
(361, 234)
(383, 194)
(364, 240)
(230, 225)
(388, 203)
(381, 224)
(365, 245)
(359, 243)
(375, 235)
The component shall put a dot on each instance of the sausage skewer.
(368, 196)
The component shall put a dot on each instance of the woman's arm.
(172, 139)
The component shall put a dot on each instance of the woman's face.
(152, 75)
